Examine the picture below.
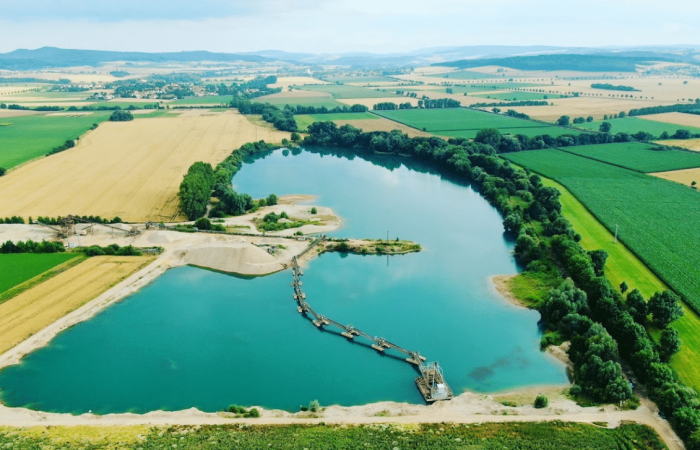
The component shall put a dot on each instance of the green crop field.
(302, 101)
(20, 267)
(454, 119)
(208, 100)
(27, 137)
(486, 436)
(639, 156)
(463, 122)
(345, 91)
(518, 96)
(633, 125)
(53, 95)
(623, 265)
(529, 132)
(304, 120)
(657, 219)
(366, 80)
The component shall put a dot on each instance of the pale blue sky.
(342, 25)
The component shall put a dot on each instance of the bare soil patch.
(130, 169)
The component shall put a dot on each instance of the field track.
(33, 310)
(128, 169)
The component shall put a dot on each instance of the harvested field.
(513, 96)
(686, 120)
(16, 113)
(128, 169)
(74, 114)
(382, 124)
(685, 176)
(304, 120)
(690, 144)
(584, 107)
(285, 82)
(32, 310)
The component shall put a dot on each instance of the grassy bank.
(524, 436)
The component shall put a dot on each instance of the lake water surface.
(196, 338)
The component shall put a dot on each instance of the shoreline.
(500, 285)
(466, 408)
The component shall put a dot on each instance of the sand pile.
(159, 238)
(240, 258)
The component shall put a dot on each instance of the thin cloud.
(334, 26)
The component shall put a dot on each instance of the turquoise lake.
(196, 338)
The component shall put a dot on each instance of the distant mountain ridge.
(52, 57)
(575, 62)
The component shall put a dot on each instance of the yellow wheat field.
(36, 308)
(687, 120)
(690, 144)
(128, 169)
(382, 124)
(684, 176)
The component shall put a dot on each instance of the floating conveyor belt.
(431, 383)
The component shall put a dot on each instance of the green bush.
(121, 116)
(541, 401)
(203, 223)
(314, 210)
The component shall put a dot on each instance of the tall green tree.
(664, 308)
(669, 344)
(637, 306)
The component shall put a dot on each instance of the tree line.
(31, 247)
(612, 87)
(504, 104)
(423, 103)
(681, 107)
(585, 308)
(203, 182)
(282, 119)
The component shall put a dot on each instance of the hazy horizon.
(315, 26)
